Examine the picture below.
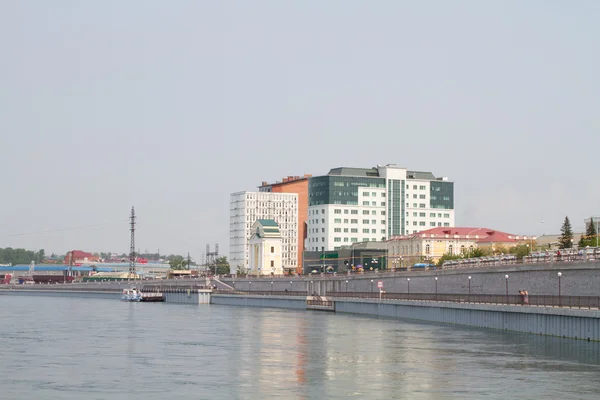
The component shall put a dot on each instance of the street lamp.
(371, 285)
(506, 277)
(469, 288)
(271, 287)
(408, 283)
(250, 284)
(346, 286)
(559, 302)
(436, 279)
(290, 286)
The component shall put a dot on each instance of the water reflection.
(153, 351)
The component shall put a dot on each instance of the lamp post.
(233, 283)
(271, 288)
(250, 285)
(371, 285)
(312, 290)
(346, 286)
(290, 286)
(436, 279)
(469, 288)
(408, 285)
(559, 299)
(506, 277)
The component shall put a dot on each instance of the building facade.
(246, 208)
(298, 185)
(265, 249)
(352, 205)
(433, 243)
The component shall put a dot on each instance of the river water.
(74, 348)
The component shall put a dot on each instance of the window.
(366, 203)
(353, 240)
(415, 214)
(383, 212)
(337, 229)
(337, 239)
(432, 215)
(365, 239)
(426, 249)
(345, 239)
(447, 198)
(365, 221)
(374, 203)
(272, 249)
(383, 231)
(345, 211)
(272, 263)
(432, 224)
(353, 211)
(382, 194)
(373, 230)
(323, 220)
(322, 239)
(450, 250)
(415, 187)
(345, 220)
(422, 187)
(374, 221)
(383, 204)
(365, 212)
(422, 214)
(421, 205)
(365, 194)
(345, 230)
(354, 221)
(322, 230)
(446, 215)
(414, 223)
(414, 196)
(354, 230)
(422, 196)
(373, 212)
(422, 223)
(322, 211)
(366, 230)
(337, 221)
(383, 222)
(414, 205)
(373, 194)
(446, 224)
(337, 211)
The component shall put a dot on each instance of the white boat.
(131, 295)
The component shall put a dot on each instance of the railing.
(587, 302)
(320, 303)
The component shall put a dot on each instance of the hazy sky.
(172, 105)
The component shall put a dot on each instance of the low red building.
(80, 257)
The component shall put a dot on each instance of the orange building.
(298, 185)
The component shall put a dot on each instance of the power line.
(63, 229)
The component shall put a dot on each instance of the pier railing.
(582, 302)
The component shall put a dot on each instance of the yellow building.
(433, 243)
(265, 248)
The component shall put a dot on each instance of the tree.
(222, 266)
(566, 238)
(591, 229)
(178, 263)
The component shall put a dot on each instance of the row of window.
(421, 187)
(423, 223)
(372, 203)
(431, 215)
(373, 194)
(415, 196)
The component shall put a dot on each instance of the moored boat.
(131, 295)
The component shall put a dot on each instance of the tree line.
(21, 256)
(589, 239)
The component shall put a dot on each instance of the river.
(77, 348)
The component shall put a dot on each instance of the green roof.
(267, 222)
(420, 175)
(345, 171)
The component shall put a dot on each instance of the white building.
(350, 205)
(265, 248)
(248, 207)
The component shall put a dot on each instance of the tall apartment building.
(246, 208)
(350, 205)
(298, 185)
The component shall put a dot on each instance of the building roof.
(81, 254)
(426, 176)
(346, 171)
(267, 222)
(479, 235)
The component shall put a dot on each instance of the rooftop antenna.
(132, 245)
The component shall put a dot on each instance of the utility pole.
(132, 245)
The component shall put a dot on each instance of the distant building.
(80, 257)
(351, 205)
(434, 243)
(298, 185)
(248, 207)
(265, 248)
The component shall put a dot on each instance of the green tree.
(178, 263)
(566, 238)
(222, 265)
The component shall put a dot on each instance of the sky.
(172, 106)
